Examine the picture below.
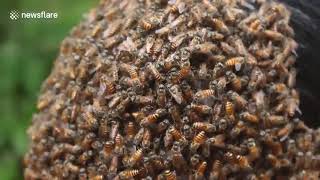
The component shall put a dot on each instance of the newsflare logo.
(15, 15)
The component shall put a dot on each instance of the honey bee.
(250, 117)
(216, 169)
(203, 109)
(237, 129)
(164, 30)
(170, 175)
(146, 139)
(217, 70)
(152, 118)
(197, 141)
(175, 114)
(176, 134)
(187, 91)
(235, 62)
(229, 50)
(242, 161)
(96, 30)
(217, 141)
(128, 174)
(284, 132)
(154, 71)
(273, 35)
(204, 94)
(163, 125)
(130, 131)
(253, 149)
(220, 26)
(113, 41)
(291, 82)
(204, 126)
(229, 108)
(181, 19)
(119, 145)
(201, 170)
(235, 81)
(265, 52)
(178, 40)
(112, 29)
(183, 72)
(90, 121)
(175, 92)
(135, 157)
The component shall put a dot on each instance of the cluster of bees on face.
(174, 90)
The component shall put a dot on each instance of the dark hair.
(305, 20)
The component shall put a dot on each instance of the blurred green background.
(28, 48)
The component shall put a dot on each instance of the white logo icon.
(14, 15)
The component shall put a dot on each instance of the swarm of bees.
(178, 89)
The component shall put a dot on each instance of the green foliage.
(28, 48)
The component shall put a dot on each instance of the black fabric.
(306, 22)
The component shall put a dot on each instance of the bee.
(119, 144)
(216, 169)
(170, 175)
(242, 161)
(274, 120)
(275, 146)
(163, 125)
(205, 48)
(253, 149)
(265, 52)
(150, 40)
(157, 46)
(229, 108)
(222, 125)
(154, 71)
(135, 157)
(161, 95)
(204, 126)
(113, 41)
(147, 25)
(220, 26)
(96, 30)
(106, 87)
(237, 129)
(273, 35)
(229, 50)
(128, 174)
(197, 141)
(235, 62)
(90, 121)
(176, 134)
(291, 82)
(114, 129)
(237, 99)
(218, 70)
(107, 150)
(152, 118)
(164, 30)
(175, 92)
(112, 29)
(249, 117)
(181, 19)
(201, 170)
(175, 114)
(183, 72)
(130, 131)
(204, 94)
(203, 109)
(284, 132)
(177, 40)
(187, 91)
(217, 141)
(146, 139)
(234, 80)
